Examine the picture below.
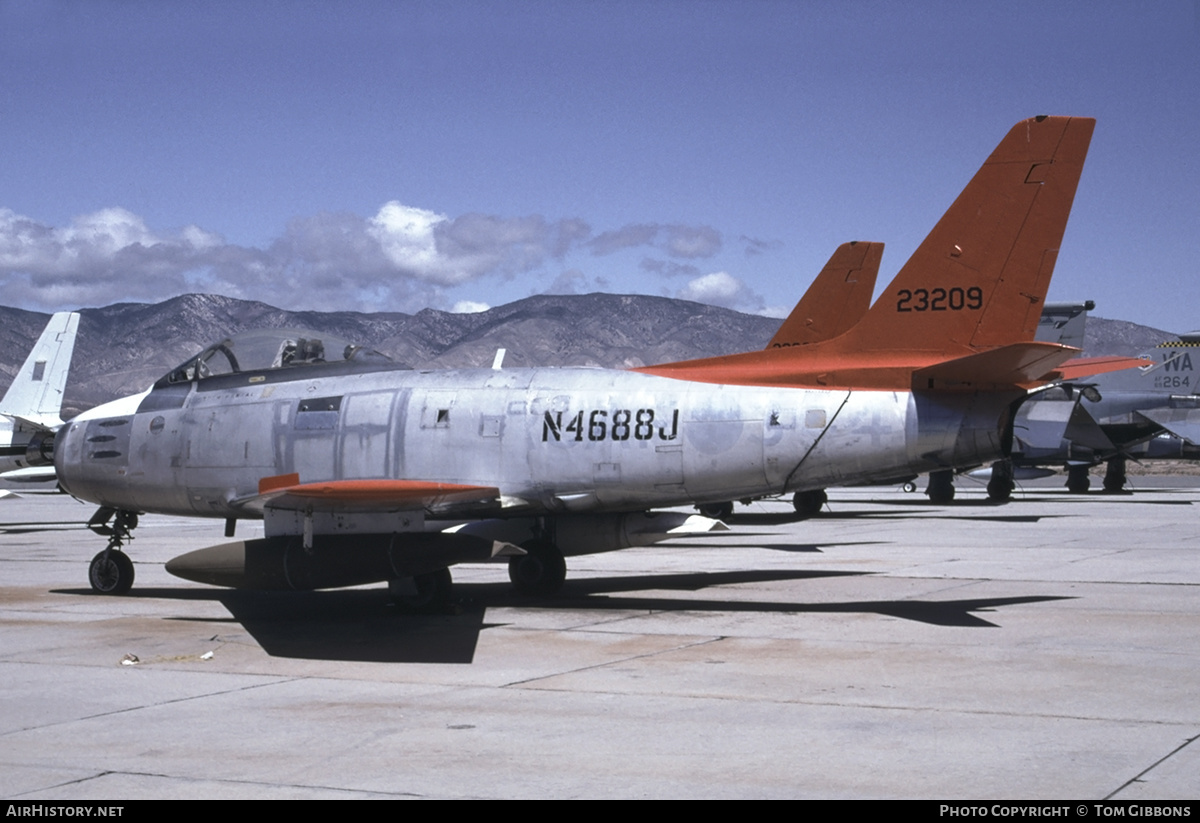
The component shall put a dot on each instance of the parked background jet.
(346, 456)
(1113, 417)
(29, 412)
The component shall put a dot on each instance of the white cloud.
(401, 258)
(468, 307)
(722, 289)
(405, 233)
(692, 241)
(678, 241)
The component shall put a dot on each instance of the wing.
(286, 492)
(1183, 423)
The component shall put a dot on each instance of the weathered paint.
(490, 428)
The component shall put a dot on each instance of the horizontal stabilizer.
(1016, 364)
(1082, 367)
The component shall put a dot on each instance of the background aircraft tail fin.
(980, 277)
(36, 392)
(836, 300)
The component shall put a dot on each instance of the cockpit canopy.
(268, 349)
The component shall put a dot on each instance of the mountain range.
(123, 348)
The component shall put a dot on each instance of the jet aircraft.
(29, 412)
(1113, 417)
(351, 460)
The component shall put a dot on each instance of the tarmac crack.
(222, 781)
(608, 663)
(141, 707)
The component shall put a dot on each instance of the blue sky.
(392, 156)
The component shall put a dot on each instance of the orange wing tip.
(387, 491)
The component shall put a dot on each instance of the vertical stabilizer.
(836, 300)
(979, 279)
(36, 393)
(962, 313)
(1064, 323)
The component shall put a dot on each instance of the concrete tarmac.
(889, 648)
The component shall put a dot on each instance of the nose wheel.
(111, 571)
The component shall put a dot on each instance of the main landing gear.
(427, 593)
(540, 571)
(809, 503)
(1000, 486)
(1078, 481)
(1114, 475)
(941, 486)
(111, 571)
(717, 511)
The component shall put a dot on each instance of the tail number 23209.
(953, 299)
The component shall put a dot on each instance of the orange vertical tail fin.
(836, 300)
(976, 284)
(979, 279)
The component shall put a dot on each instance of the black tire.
(1078, 481)
(809, 503)
(1000, 486)
(717, 511)
(1114, 475)
(111, 572)
(941, 486)
(433, 593)
(540, 571)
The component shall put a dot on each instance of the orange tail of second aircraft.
(963, 311)
(836, 300)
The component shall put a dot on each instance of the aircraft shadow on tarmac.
(942, 514)
(33, 528)
(360, 624)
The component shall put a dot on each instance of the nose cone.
(92, 451)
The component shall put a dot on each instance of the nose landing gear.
(111, 571)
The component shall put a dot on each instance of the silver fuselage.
(551, 440)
